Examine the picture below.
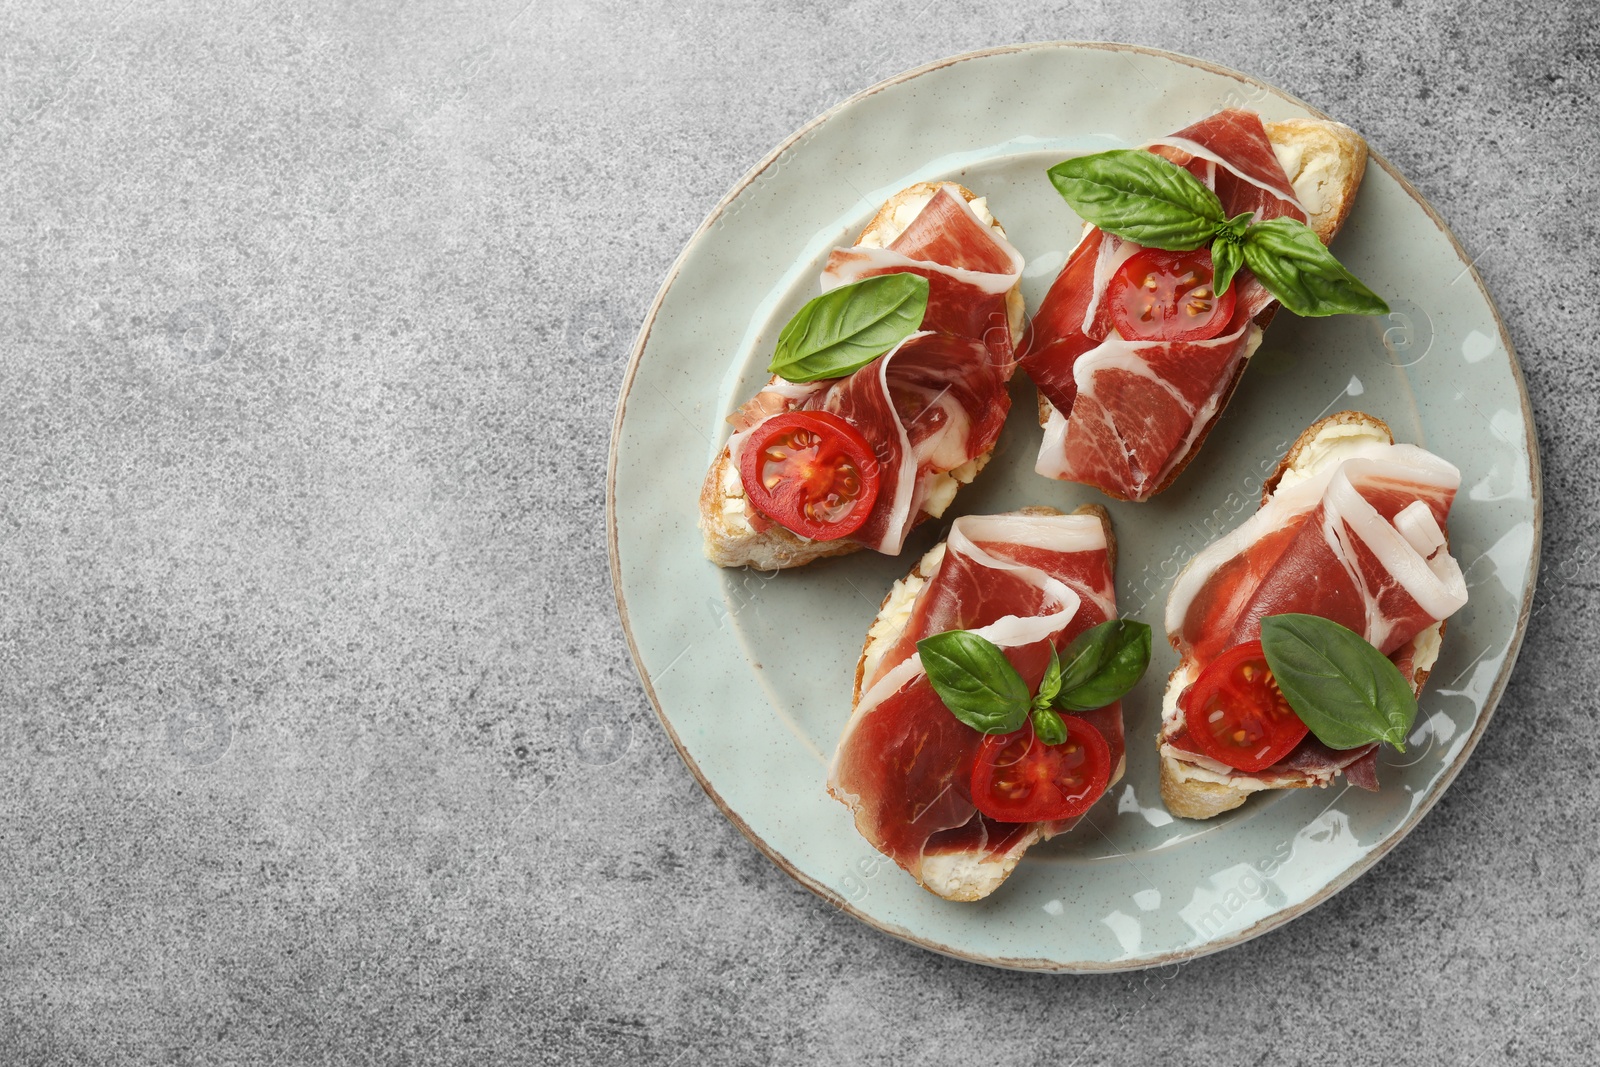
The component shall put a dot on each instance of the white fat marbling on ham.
(852, 264)
(1435, 584)
(1116, 354)
(1052, 461)
(1283, 190)
(855, 263)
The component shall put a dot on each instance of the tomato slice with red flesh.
(1168, 296)
(812, 472)
(1019, 778)
(1235, 714)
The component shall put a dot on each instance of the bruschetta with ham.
(915, 777)
(1135, 350)
(832, 465)
(1351, 529)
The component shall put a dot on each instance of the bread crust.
(727, 545)
(1321, 147)
(730, 543)
(978, 877)
(1191, 798)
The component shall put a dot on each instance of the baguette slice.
(961, 876)
(1325, 162)
(730, 540)
(1194, 792)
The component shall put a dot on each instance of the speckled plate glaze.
(751, 673)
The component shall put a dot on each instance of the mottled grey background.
(313, 318)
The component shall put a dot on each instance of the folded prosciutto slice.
(1125, 414)
(1359, 538)
(904, 763)
(970, 270)
(930, 405)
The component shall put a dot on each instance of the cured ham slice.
(928, 406)
(1361, 541)
(1125, 414)
(970, 268)
(904, 763)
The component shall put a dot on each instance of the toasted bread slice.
(960, 876)
(1191, 791)
(730, 540)
(1325, 162)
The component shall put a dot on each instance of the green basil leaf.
(1140, 197)
(1050, 685)
(975, 681)
(846, 328)
(1226, 259)
(1298, 269)
(1346, 691)
(1102, 664)
(1048, 727)
(1083, 656)
(1227, 251)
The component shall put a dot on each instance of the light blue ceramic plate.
(751, 673)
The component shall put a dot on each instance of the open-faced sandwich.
(888, 391)
(987, 713)
(1307, 632)
(1189, 247)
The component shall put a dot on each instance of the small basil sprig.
(1227, 251)
(846, 328)
(1047, 724)
(1347, 692)
(1151, 201)
(982, 689)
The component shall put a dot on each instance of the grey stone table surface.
(313, 320)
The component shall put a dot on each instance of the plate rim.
(1044, 964)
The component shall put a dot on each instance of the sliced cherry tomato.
(1019, 778)
(1167, 296)
(1235, 714)
(812, 472)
